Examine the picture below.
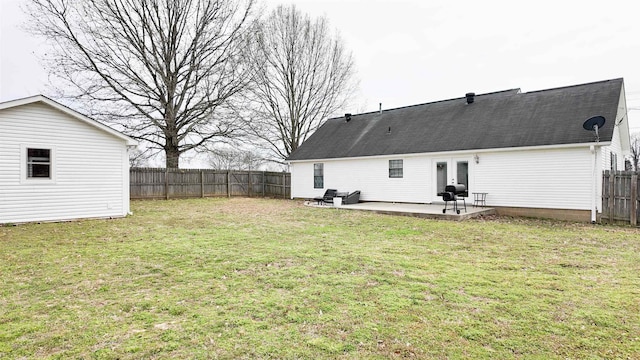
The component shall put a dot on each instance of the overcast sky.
(415, 51)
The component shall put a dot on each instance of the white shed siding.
(89, 166)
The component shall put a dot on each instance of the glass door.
(449, 171)
(462, 173)
(441, 176)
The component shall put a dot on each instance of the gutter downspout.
(594, 184)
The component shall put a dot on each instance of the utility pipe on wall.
(594, 184)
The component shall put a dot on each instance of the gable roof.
(505, 119)
(43, 99)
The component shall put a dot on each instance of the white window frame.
(396, 168)
(24, 159)
(321, 167)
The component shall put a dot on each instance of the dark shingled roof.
(504, 119)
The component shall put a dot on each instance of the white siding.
(370, 176)
(555, 178)
(89, 167)
(560, 178)
(614, 148)
(616, 141)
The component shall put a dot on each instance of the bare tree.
(635, 151)
(165, 71)
(139, 157)
(233, 159)
(301, 75)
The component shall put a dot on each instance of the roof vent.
(471, 97)
(347, 117)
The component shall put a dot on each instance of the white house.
(528, 151)
(57, 164)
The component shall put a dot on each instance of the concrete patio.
(428, 211)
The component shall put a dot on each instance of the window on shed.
(395, 168)
(38, 163)
(318, 176)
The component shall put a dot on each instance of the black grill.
(453, 193)
(457, 189)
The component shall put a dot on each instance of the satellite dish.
(593, 121)
(593, 124)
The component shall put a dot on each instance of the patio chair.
(352, 198)
(327, 198)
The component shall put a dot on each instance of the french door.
(449, 171)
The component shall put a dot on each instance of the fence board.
(620, 197)
(160, 183)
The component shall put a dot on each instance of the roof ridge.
(575, 85)
(517, 90)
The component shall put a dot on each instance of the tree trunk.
(173, 155)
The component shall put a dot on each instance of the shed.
(57, 164)
(528, 151)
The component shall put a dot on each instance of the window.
(38, 163)
(395, 168)
(614, 162)
(318, 176)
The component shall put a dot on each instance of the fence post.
(166, 183)
(264, 183)
(634, 200)
(228, 183)
(202, 183)
(605, 195)
(249, 184)
(612, 195)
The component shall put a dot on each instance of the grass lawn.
(257, 278)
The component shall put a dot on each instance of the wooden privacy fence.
(620, 197)
(158, 183)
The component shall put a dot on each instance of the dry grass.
(255, 278)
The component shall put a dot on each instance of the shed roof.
(504, 119)
(43, 99)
